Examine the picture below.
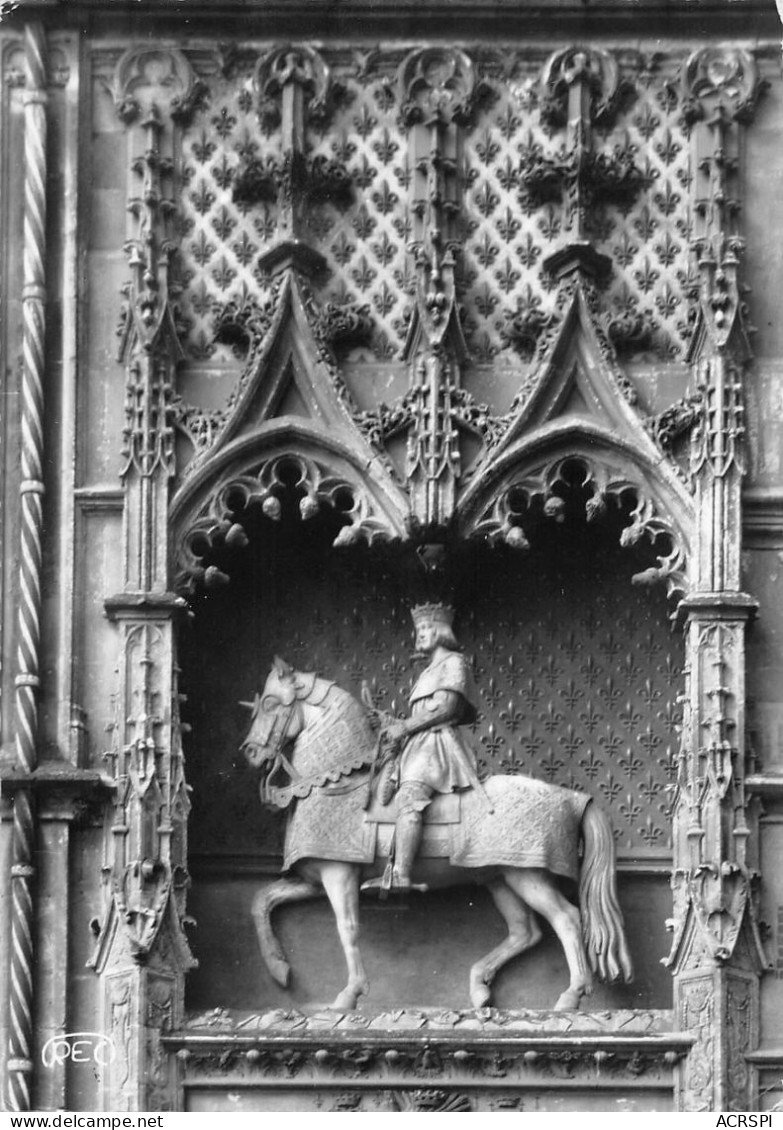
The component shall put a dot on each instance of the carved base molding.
(436, 1060)
(767, 1064)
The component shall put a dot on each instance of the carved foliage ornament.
(276, 480)
(305, 68)
(534, 331)
(151, 311)
(315, 180)
(293, 88)
(541, 495)
(432, 1077)
(248, 324)
(721, 87)
(439, 82)
(602, 178)
(146, 69)
(150, 327)
(720, 76)
(578, 89)
(244, 321)
(597, 69)
(715, 882)
(386, 421)
(147, 778)
(676, 420)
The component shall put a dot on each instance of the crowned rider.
(434, 755)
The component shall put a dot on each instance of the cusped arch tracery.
(598, 477)
(304, 473)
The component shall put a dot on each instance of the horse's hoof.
(281, 972)
(480, 995)
(343, 1002)
(569, 1000)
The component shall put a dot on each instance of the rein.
(330, 743)
(280, 795)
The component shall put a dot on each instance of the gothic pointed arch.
(290, 426)
(578, 426)
(284, 457)
(530, 481)
(578, 375)
(289, 369)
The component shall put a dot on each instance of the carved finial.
(725, 77)
(293, 86)
(149, 311)
(283, 72)
(146, 73)
(439, 82)
(578, 89)
(721, 87)
(437, 90)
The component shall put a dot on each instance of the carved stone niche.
(578, 674)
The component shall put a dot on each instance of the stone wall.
(301, 328)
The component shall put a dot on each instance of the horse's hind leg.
(540, 892)
(341, 883)
(264, 903)
(523, 933)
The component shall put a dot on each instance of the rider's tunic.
(440, 757)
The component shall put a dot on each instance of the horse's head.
(277, 715)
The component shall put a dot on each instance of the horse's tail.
(602, 920)
(265, 902)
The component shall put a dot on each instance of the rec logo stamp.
(79, 1047)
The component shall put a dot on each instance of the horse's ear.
(303, 684)
(281, 668)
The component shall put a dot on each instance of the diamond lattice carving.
(221, 240)
(365, 244)
(506, 237)
(510, 235)
(649, 243)
(579, 675)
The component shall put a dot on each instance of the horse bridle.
(279, 795)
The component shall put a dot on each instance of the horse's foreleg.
(523, 933)
(539, 891)
(341, 883)
(282, 891)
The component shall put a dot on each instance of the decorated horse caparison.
(516, 835)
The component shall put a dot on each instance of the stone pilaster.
(142, 953)
(716, 955)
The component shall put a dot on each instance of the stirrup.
(387, 886)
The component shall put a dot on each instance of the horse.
(516, 835)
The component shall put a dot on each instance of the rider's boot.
(412, 800)
(410, 827)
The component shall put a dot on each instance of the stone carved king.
(428, 753)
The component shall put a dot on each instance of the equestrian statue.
(406, 810)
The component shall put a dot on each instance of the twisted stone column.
(20, 1062)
